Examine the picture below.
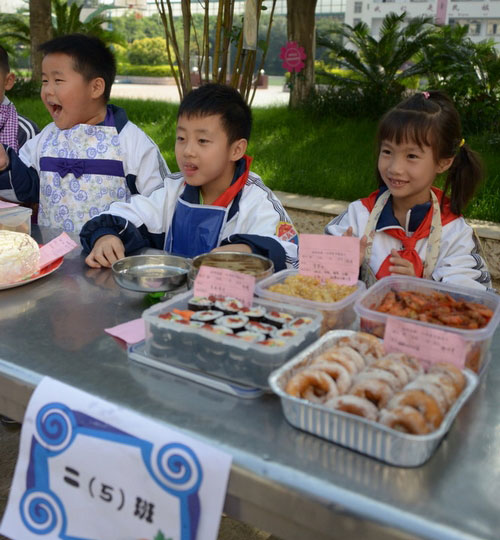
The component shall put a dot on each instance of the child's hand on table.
(107, 250)
(400, 266)
(4, 158)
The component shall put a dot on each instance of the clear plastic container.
(223, 356)
(335, 314)
(477, 341)
(16, 218)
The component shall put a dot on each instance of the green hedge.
(145, 71)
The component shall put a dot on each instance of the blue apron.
(195, 229)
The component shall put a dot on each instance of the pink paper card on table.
(55, 249)
(5, 204)
(131, 332)
(329, 257)
(429, 345)
(223, 282)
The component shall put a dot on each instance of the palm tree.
(377, 68)
(14, 32)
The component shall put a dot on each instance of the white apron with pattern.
(68, 203)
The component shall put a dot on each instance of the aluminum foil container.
(355, 432)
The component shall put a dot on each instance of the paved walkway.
(273, 95)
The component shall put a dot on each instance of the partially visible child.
(410, 227)
(15, 129)
(91, 155)
(213, 203)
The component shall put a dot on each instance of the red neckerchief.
(227, 197)
(408, 252)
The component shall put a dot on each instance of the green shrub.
(24, 88)
(151, 51)
(145, 71)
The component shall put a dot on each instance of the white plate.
(52, 267)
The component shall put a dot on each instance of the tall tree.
(40, 31)
(302, 30)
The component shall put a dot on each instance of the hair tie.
(426, 95)
(462, 142)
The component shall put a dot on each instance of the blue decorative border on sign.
(174, 467)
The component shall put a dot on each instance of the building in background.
(481, 16)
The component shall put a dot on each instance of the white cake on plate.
(19, 257)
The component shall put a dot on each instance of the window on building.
(356, 21)
(474, 28)
(493, 28)
(358, 7)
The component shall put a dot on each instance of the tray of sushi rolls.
(221, 337)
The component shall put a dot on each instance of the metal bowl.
(247, 263)
(151, 273)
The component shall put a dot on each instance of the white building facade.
(481, 16)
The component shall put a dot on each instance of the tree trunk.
(301, 29)
(40, 31)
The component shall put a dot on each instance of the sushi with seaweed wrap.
(254, 313)
(200, 303)
(236, 322)
(277, 318)
(258, 326)
(228, 305)
(209, 316)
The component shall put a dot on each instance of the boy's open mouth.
(190, 169)
(55, 109)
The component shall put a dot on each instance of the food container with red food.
(335, 314)
(355, 432)
(477, 340)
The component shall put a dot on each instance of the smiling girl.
(411, 227)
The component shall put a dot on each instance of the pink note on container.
(329, 257)
(224, 282)
(5, 204)
(131, 332)
(56, 248)
(429, 345)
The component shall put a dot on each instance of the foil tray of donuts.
(345, 389)
(472, 314)
(221, 337)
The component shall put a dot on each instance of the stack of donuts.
(356, 376)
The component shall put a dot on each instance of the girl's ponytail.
(464, 176)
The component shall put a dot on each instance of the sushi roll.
(286, 333)
(200, 303)
(170, 316)
(234, 322)
(257, 326)
(272, 342)
(218, 329)
(300, 323)
(277, 318)
(251, 336)
(208, 316)
(254, 313)
(229, 305)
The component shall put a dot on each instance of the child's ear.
(10, 80)
(445, 164)
(238, 149)
(98, 86)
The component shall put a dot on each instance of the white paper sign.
(88, 469)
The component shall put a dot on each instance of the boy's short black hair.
(90, 55)
(4, 60)
(211, 99)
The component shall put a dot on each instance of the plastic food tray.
(478, 341)
(355, 432)
(16, 218)
(335, 314)
(223, 356)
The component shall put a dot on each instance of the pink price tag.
(429, 345)
(5, 204)
(131, 332)
(55, 249)
(224, 282)
(329, 257)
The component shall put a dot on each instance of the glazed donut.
(336, 358)
(405, 419)
(381, 375)
(432, 389)
(317, 384)
(352, 354)
(451, 371)
(393, 366)
(424, 403)
(445, 383)
(410, 363)
(370, 347)
(338, 373)
(354, 405)
(375, 390)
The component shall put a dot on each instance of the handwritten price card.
(56, 248)
(90, 469)
(329, 257)
(429, 345)
(223, 282)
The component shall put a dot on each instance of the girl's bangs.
(403, 126)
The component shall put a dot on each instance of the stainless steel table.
(282, 480)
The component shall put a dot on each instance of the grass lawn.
(297, 153)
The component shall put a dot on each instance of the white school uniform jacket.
(459, 262)
(255, 217)
(76, 173)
